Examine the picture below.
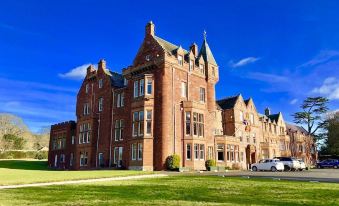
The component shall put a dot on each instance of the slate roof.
(206, 53)
(295, 128)
(247, 101)
(168, 46)
(228, 102)
(274, 117)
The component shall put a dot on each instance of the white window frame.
(134, 151)
(184, 89)
(148, 122)
(100, 83)
(202, 95)
(140, 151)
(149, 86)
(101, 102)
(142, 87)
(180, 60)
(136, 89)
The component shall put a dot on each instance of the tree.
(331, 134)
(312, 114)
(10, 141)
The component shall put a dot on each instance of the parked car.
(302, 165)
(328, 163)
(268, 164)
(290, 163)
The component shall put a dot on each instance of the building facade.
(163, 104)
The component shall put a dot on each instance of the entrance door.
(56, 160)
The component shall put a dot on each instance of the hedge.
(24, 154)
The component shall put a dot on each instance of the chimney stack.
(150, 28)
(90, 69)
(102, 64)
(194, 49)
(267, 111)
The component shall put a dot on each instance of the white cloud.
(243, 62)
(293, 101)
(322, 57)
(77, 73)
(266, 77)
(329, 88)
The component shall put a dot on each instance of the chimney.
(267, 111)
(194, 49)
(102, 64)
(150, 29)
(90, 69)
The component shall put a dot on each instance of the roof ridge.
(229, 97)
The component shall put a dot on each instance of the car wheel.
(273, 169)
(286, 168)
(335, 167)
(319, 167)
(254, 168)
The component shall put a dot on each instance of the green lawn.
(32, 171)
(179, 190)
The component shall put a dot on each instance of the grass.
(32, 171)
(179, 190)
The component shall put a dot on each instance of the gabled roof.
(228, 102)
(247, 101)
(274, 117)
(168, 46)
(206, 53)
(296, 128)
(117, 80)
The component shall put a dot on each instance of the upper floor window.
(136, 89)
(86, 109)
(149, 86)
(202, 94)
(191, 66)
(198, 124)
(148, 122)
(101, 101)
(100, 83)
(202, 68)
(119, 128)
(86, 88)
(120, 99)
(180, 60)
(125, 81)
(183, 89)
(85, 133)
(142, 86)
(138, 123)
(188, 123)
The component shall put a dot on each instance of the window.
(188, 123)
(134, 151)
(100, 83)
(83, 158)
(180, 62)
(196, 151)
(135, 123)
(120, 99)
(62, 158)
(183, 89)
(142, 86)
(86, 109)
(148, 122)
(191, 66)
(136, 89)
(139, 151)
(210, 153)
(254, 138)
(221, 152)
(141, 123)
(241, 116)
(228, 152)
(149, 86)
(188, 151)
(252, 119)
(101, 100)
(72, 141)
(87, 88)
(119, 127)
(201, 125)
(202, 69)
(71, 159)
(195, 123)
(125, 81)
(241, 156)
(202, 152)
(231, 152)
(202, 94)
(85, 133)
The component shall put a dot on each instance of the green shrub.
(210, 163)
(23, 154)
(40, 155)
(173, 162)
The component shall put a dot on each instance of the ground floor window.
(232, 153)
(188, 151)
(134, 151)
(199, 151)
(139, 151)
(71, 159)
(83, 158)
(221, 152)
(210, 153)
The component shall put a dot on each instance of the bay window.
(148, 122)
(188, 123)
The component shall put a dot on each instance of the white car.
(302, 165)
(268, 164)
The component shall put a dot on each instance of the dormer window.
(191, 65)
(100, 83)
(180, 60)
(202, 69)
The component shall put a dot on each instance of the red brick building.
(163, 104)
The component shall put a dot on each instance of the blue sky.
(277, 52)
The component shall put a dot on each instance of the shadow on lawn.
(24, 164)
